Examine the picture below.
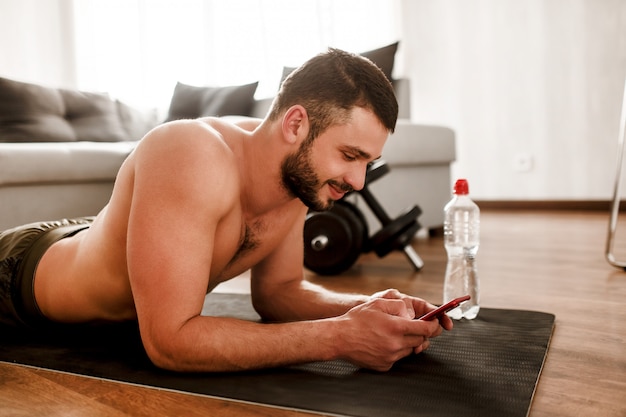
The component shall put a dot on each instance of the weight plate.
(342, 231)
(355, 218)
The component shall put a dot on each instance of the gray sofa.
(60, 151)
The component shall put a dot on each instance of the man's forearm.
(210, 344)
(304, 300)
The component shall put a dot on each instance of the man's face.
(323, 169)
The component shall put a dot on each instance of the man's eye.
(349, 157)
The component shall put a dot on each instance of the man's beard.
(302, 182)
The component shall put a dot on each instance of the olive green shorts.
(21, 248)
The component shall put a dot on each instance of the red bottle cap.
(461, 187)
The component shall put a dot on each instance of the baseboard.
(539, 205)
(552, 205)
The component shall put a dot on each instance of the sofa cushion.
(190, 102)
(383, 57)
(55, 163)
(34, 113)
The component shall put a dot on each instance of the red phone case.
(444, 308)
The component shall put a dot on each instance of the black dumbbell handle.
(375, 171)
(375, 206)
(384, 218)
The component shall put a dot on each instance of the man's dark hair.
(331, 84)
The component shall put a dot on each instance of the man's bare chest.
(258, 238)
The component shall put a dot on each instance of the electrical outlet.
(523, 162)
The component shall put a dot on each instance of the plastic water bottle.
(461, 231)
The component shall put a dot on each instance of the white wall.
(36, 43)
(536, 78)
(525, 84)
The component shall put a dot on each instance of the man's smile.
(338, 190)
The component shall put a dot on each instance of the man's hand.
(378, 333)
(416, 307)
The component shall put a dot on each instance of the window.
(138, 49)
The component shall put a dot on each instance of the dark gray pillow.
(34, 113)
(190, 102)
(383, 57)
(93, 116)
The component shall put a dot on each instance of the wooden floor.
(547, 261)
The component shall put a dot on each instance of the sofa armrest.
(402, 88)
(418, 144)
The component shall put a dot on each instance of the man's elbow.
(163, 355)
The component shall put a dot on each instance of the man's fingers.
(394, 307)
(422, 347)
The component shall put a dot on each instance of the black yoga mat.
(485, 367)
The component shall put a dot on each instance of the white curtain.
(138, 49)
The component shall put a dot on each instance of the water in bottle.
(461, 230)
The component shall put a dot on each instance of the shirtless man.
(201, 201)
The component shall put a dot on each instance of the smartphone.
(444, 308)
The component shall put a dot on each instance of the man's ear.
(295, 124)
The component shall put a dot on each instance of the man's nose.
(356, 178)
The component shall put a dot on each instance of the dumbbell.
(395, 234)
(334, 239)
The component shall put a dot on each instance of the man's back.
(181, 184)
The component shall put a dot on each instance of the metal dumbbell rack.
(334, 239)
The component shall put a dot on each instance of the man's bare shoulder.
(184, 137)
(190, 156)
